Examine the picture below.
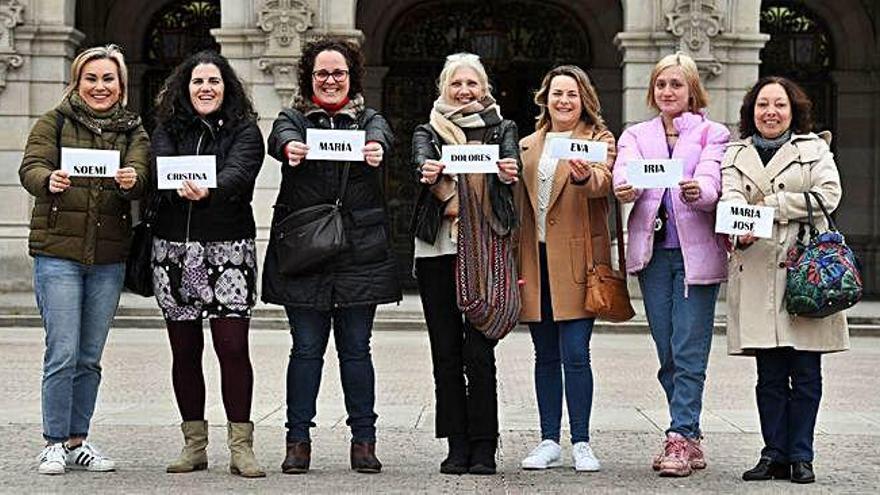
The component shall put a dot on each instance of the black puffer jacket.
(428, 211)
(226, 213)
(364, 274)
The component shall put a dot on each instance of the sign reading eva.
(333, 144)
(173, 170)
(84, 162)
(566, 149)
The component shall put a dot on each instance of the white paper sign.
(84, 162)
(332, 144)
(171, 171)
(591, 151)
(738, 219)
(470, 159)
(649, 174)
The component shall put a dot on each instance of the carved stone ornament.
(284, 22)
(696, 22)
(10, 16)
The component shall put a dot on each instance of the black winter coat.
(428, 211)
(365, 273)
(226, 214)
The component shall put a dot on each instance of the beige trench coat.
(576, 214)
(756, 315)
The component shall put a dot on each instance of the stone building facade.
(832, 48)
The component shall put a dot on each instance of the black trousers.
(464, 360)
(789, 390)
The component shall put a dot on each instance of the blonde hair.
(109, 52)
(457, 61)
(698, 99)
(591, 110)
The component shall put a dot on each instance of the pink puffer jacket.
(701, 147)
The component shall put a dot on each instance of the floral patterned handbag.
(823, 275)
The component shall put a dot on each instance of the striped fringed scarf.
(485, 272)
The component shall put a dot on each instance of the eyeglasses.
(338, 75)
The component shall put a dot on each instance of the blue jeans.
(310, 329)
(682, 331)
(77, 303)
(789, 390)
(562, 345)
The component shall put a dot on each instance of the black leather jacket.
(428, 211)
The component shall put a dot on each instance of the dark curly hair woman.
(345, 289)
(204, 252)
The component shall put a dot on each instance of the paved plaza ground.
(136, 420)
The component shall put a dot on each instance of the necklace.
(672, 135)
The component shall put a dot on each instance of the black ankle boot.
(802, 472)
(459, 454)
(483, 456)
(768, 469)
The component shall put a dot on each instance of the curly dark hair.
(174, 109)
(353, 57)
(801, 106)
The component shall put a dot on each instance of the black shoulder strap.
(59, 125)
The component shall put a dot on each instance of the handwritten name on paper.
(566, 149)
(470, 159)
(172, 171)
(84, 162)
(335, 144)
(648, 174)
(738, 219)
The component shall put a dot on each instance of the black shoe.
(299, 456)
(457, 462)
(802, 472)
(768, 469)
(483, 456)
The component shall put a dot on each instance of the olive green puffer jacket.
(91, 221)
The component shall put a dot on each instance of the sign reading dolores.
(173, 170)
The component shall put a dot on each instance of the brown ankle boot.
(363, 458)
(299, 456)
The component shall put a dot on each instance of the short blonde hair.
(698, 99)
(110, 52)
(591, 110)
(457, 61)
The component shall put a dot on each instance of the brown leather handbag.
(607, 295)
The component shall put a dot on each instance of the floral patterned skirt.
(195, 280)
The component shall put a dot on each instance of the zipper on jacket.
(190, 205)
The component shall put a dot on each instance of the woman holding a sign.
(208, 151)
(451, 207)
(84, 161)
(329, 258)
(565, 206)
(669, 168)
(777, 160)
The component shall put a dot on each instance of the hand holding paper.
(59, 181)
(126, 178)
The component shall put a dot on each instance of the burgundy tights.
(230, 336)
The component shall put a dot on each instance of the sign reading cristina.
(173, 170)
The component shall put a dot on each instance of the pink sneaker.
(697, 459)
(676, 457)
(658, 459)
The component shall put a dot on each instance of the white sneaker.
(583, 457)
(87, 457)
(547, 454)
(52, 459)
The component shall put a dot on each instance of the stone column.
(37, 43)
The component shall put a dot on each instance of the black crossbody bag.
(308, 237)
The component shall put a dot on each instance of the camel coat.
(756, 315)
(576, 214)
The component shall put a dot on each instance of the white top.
(546, 171)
